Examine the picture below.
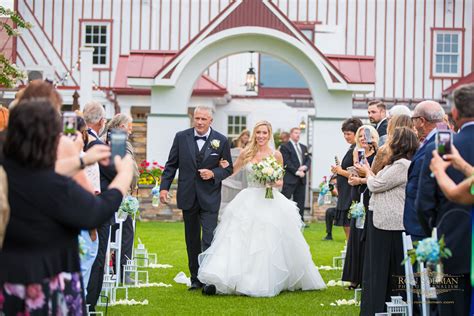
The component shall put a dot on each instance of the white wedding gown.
(258, 247)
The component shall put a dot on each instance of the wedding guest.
(425, 117)
(284, 138)
(40, 257)
(384, 249)
(349, 129)
(354, 261)
(125, 122)
(459, 193)
(331, 212)
(242, 140)
(297, 162)
(451, 219)
(378, 115)
(94, 115)
(383, 153)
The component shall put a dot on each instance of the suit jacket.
(435, 210)
(185, 156)
(382, 129)
(292, 163)
(410, 216)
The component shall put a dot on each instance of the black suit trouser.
(195, 220)
(330, 215)
(97, 273)
(298, 192)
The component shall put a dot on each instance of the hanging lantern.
(251, 78)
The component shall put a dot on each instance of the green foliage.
(9, 73)
(167, 240)
(276, 137)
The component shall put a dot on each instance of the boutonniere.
(215, 143)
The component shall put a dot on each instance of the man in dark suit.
(196, 152)
(451, 219)
(297, 162)
(377, 112)
(94, 116)
(425, 117)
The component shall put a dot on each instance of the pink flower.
(17, 290)
(155, 163)
(147, 164)
(2, 299)
(34, 296)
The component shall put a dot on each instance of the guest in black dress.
(349, 128)
(39, 261)
(354, 262)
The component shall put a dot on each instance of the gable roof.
(142, 64)
(464, 80)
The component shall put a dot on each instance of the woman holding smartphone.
(367, 139)
(349, 129)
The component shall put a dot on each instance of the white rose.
(268, 171)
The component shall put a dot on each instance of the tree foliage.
(9, 73)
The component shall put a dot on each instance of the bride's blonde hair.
(251, 149)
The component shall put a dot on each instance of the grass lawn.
(167, 240)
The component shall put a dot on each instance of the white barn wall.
(400, 73)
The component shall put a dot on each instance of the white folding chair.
(409, 276)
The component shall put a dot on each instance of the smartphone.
(352, 171)
(444, 142)
(69, 123)
(118, 142)
(361, 155)
(368, 136)
(336, 160)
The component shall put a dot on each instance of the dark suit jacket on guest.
(435, 210)
(292, 163)
(410, 216)
(185, 156)
(382, 129)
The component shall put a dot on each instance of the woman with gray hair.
(124, 122)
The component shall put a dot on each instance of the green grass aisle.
(167, 240)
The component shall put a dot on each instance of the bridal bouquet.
(268, 171)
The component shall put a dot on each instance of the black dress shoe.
(196, 285)
(209, 289)
(328, 237)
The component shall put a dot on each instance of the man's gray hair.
(119, 120)
(204, 108)
(432, 111)
(93, 112)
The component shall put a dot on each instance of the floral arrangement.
(268, 171)
(150, 173)
(129, 206)
(429, 250)
(155, 193)
(357, 210)
(323, 190)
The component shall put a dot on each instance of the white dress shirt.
(201, 142)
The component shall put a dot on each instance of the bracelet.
(82, 165)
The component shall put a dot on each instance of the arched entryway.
(234, 31)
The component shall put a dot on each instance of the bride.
(258, 248)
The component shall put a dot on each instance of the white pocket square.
(214, 154)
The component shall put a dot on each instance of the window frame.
(441, 75)
(109, 33)
(241, 115)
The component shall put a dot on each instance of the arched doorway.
(234, 31)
